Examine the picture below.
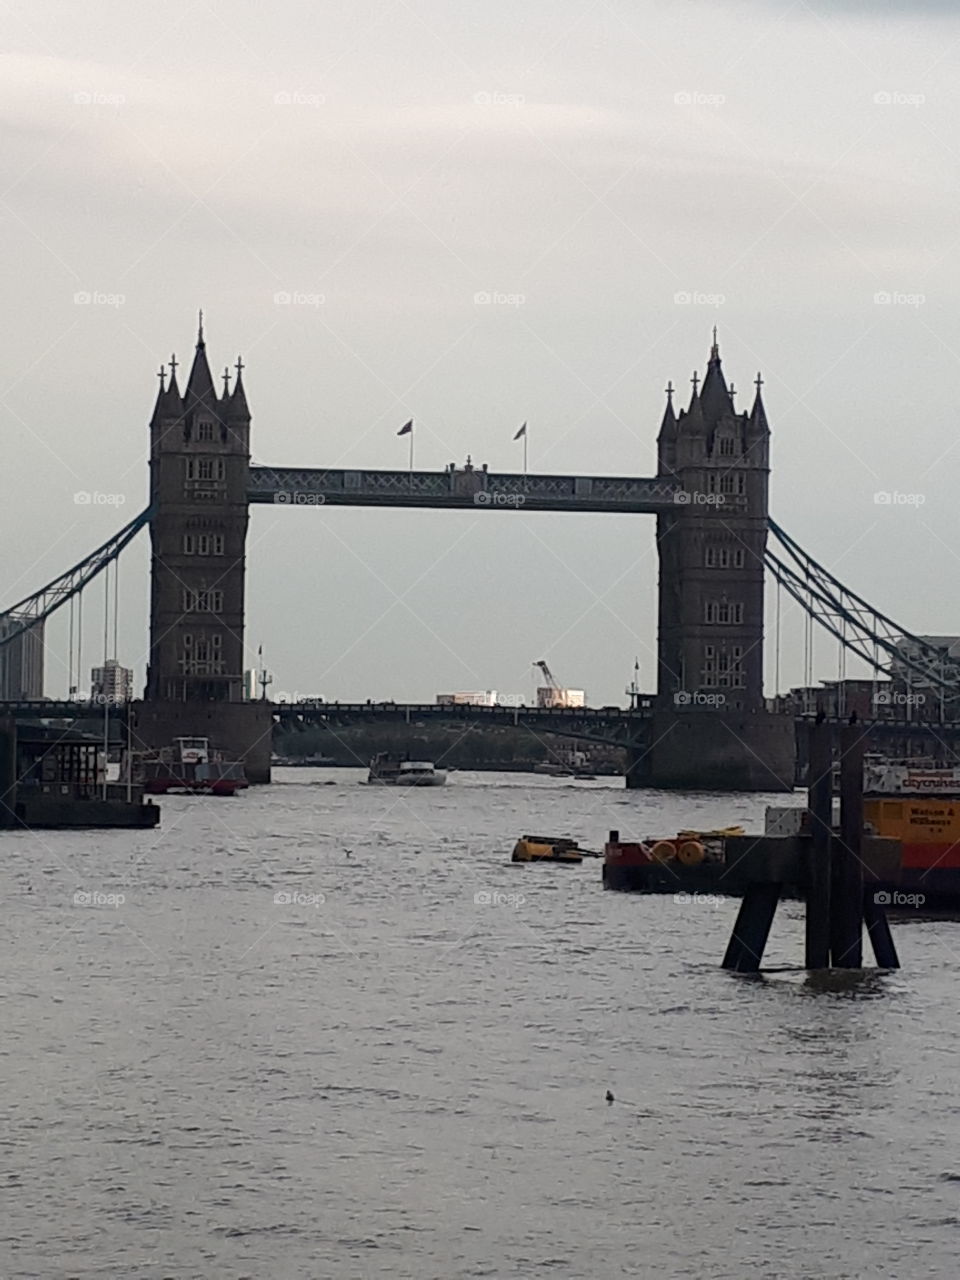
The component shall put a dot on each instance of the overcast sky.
(784, 164)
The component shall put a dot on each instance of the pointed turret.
(714, 397)
(668, 426)
(667, 438)
(169, 403)
(200, 390)
(236, 405)
(692, 417)
(758, 414)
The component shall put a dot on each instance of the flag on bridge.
(521, 433)
(406, 429)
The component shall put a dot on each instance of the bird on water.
(609, 1096)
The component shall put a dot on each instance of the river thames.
(324, 1030)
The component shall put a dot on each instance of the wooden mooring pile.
(836, 873)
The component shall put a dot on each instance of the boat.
(388, 770)
(546, 849)
(690, 861)
(919, 805)
(191, 765)
(315, 761)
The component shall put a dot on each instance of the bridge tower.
(199, 475)
(711, 720)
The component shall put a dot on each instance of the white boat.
(391, 771)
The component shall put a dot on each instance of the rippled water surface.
(379, 1075)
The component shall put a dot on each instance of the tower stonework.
(199, 473)
(711, 728)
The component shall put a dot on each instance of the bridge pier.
(694, 750)
(241, 730)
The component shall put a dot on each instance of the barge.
(53, 777)
(915, 806)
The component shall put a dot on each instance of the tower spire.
(200, 387)
(758, 414)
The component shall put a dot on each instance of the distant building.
(554, 697)
(838, 699)
(483, 698)
(21, 661)
(111, 683)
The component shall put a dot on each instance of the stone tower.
(199, 470)
(711, 548)
(711, 727)
(199, 464)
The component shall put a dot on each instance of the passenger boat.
(191, 766)
(546, 849)
(397, 771)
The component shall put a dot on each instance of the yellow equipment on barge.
(546, 849)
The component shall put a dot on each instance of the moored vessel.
(691, 861)
(190, 765)
(388, 770)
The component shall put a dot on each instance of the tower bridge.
(707, 725)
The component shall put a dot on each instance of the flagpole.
(525, 434)
(411, 450)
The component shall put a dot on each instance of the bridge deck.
(468, 489)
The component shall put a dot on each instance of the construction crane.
(549, 678)
(553, 694)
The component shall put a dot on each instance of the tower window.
(727, 446)
(202, 601)
(205, 431)
(206, 468)
(203, 544)
(718, 556)
(733, 482)
(723, 613)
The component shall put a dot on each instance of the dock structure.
(52, 777)
(833, 871)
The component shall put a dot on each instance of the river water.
(324, 1030)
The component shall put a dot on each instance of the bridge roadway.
(613, 725)
(471, 488)
(604, 724)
